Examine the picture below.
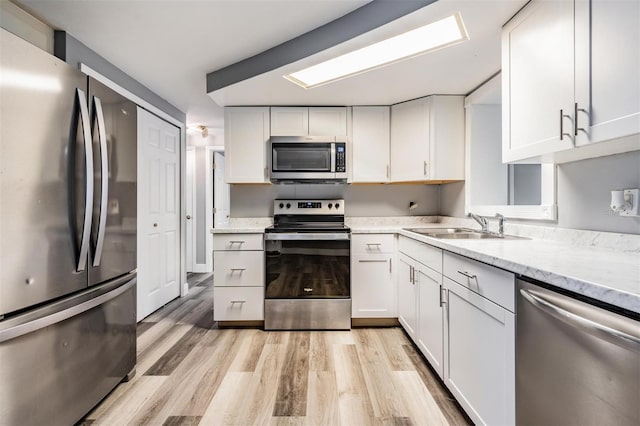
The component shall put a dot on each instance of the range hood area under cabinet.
(416, 141)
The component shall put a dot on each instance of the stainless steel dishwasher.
(576, 363)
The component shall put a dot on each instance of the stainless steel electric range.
(308, 267)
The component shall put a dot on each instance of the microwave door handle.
(333, 158)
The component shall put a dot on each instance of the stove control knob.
(330, 205)
(288, 205)
(337, 206)
(281, 205)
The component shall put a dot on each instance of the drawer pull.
(238, 301)
(236, 242)
(374, 244)
(466, 274)
(372, 260)
(237, 269)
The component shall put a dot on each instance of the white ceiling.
(170, 46)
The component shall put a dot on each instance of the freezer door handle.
(88, 153)
(56, 316)
(98, 118)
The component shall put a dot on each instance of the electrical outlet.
(632, 195)
(113, 207)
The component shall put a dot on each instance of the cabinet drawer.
(238, 268)
(423, 253)
(238, 303)
(238, 242)
(372, 243)
(493, 283)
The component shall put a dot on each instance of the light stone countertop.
(601, 265)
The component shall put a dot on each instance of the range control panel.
(335, 207)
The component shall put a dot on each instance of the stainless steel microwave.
(308, 159)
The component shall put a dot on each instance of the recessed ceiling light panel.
(433, 36)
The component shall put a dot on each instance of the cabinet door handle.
(443, 296)
(387, 170)
(389, 265)
(466, 274)
(575, 119)
(425, 168)
(562, 117)
(372, 260)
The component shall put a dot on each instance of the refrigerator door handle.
(88, 153)
(98, 117)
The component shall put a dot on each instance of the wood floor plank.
(191, 384)
(291, 399)
(251, 346)
(441, 395)
(143, 326)
(323, 405)
(421, 406)
(130, 400)
(320, 355)
(260, 395)
(385, 399)
(176, 354)
(287, 421)
(164, 325)
(353, 399)
(227, 402)
(393, 339)
(182, 421)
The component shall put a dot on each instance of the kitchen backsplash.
(360, 200)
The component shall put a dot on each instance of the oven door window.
(307, 157)
(307, 269)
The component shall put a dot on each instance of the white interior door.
(221, 191)
(158, 213)
(190, 185)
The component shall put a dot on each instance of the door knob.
(188, 216)
(155, 225)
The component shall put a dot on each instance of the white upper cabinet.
(370, 144)
(570, 78)
(246, 131)
(427, 139)
(309, 121)
(607, 69)
(289, 121)
(328, 121)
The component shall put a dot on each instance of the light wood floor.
(190, 372)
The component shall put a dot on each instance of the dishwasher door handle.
(602, 331)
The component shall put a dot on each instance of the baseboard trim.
(374, 322)
(241, 324)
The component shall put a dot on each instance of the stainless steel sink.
(461, 234)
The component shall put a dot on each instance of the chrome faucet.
(481, 220)
(500, 224)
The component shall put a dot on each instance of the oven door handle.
(284, 236)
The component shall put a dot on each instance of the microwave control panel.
(341, 157)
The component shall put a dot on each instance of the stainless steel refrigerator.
(67, 238)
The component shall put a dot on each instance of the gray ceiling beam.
(364, 19)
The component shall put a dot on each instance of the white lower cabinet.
(460, 314)
(407, 295)
(372, 286)
(238, 303)
(238, 277)
(430, 317)
(480, 350)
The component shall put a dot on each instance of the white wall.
(360, 200)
